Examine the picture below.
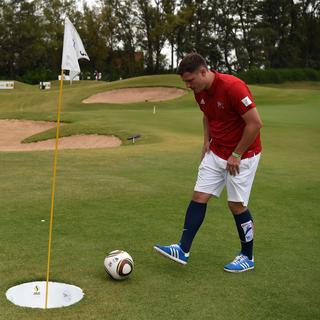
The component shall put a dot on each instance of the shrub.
(279, 75)
(37, 75)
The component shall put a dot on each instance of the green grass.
(136, 195)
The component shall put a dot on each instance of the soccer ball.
(118, 264)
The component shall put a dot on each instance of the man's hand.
(233, 165)
(205, 149)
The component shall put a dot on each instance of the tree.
(196, 30)
(309, 32)
(21, 37)
(89, 27)
(232, 35)
(170, 25)
(158, 35)
(52, 26)
(248, 45)
(126, 36)
(146, 13)
(184, 29)
(281, 40)
(225, 33)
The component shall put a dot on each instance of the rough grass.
(134, 196)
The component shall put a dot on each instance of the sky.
(89, 2)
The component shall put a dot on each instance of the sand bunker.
(12, 132)
(131, 95)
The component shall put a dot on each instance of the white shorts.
(213, 176)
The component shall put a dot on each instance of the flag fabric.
(73, 49)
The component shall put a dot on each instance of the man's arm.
(206, 137)
(253, 125)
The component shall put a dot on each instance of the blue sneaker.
(173, 252)
(241, 263)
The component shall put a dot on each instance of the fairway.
(135, 195)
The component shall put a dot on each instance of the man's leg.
(244, 223)
(238, 189)
(210, 181)
(194, 217)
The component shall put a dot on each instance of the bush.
(37, 75)
(279, 75)
(313, 75)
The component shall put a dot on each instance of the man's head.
(194, 72)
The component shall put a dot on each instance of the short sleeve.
(240, 97)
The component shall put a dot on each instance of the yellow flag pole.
(53, 188)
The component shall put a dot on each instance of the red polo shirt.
(223, 105)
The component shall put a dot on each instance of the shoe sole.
(164, 254)
(238, 271)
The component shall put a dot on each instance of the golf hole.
(33, 295)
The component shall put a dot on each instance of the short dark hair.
(190, 63)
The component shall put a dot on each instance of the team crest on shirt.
(220, 105)
(202, 101)
(246, 101)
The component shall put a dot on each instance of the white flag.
(72, 49)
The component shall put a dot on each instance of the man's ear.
(203, 71)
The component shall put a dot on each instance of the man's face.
(196, 80)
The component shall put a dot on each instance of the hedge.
(279, 75)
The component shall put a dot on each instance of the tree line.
(125, 38)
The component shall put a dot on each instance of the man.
(230, 156)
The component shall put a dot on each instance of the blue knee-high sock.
(244, 224)
(193, 220)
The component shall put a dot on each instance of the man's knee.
(201, 197)
(236, 207)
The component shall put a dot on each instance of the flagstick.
(53, 188)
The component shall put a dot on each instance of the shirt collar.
(212, 89)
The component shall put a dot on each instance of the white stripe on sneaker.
(168, 255)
